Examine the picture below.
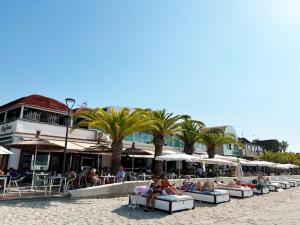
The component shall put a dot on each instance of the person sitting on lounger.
(263, 180)
(169, 189)
(154, 191)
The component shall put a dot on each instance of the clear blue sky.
(223, 62)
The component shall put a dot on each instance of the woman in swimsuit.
(154, 191)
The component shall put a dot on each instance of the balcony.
(51, 130)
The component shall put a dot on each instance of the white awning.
(70, 146)
(4, 151)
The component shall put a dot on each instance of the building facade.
(250, 150)
(21, 119)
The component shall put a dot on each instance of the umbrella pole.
(33, 169)
(132, 163)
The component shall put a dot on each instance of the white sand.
(274, 208)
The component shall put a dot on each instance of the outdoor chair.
(70, 183)
(15, 182)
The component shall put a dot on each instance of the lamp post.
(70, 102)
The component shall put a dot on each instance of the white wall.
(53, 130)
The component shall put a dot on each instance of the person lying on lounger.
(207, 186)
(231, 184)
(154, 191)
(186, 183)
(169, 189)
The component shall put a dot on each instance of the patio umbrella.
(216, 161)
(33, 145)
(179, 157)
(239, 170)
(258, 163)
(4, 151)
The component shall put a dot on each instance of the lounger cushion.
(236, 188)
(174, 198)
(216, 192)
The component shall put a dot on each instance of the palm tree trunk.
(211, 152)
(158, 165)
(188, 166)
(117, 147)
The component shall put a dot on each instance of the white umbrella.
(286, 166)
(259, 163)
(239, 170)
(217, 161)
(282, 166)
(4, 151)
(179, 157)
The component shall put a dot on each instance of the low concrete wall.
(125, 188)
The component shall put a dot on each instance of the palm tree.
(117, 124)
(212, 138)
(189, 134)
(162, 124)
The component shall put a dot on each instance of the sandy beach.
(274, 208)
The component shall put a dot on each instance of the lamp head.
(70, 102)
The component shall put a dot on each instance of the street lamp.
(70, 102)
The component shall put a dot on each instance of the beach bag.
(141, 190)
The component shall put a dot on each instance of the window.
(2, 117)
(35, 115)
(13, 114)
(42, 162)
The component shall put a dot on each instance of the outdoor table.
(40, 178)
(4, 179)
(106, 178)
(52, 179)
(172, 176)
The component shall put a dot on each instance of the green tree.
(189, 134)
(212, 138)
(162, 124)
(283, 146)
(116, 124)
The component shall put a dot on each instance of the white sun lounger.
(217, 196)
(169, 203)
(275, 187)
(242, 192)
(295, 180)
(284, 184)
(262, 191)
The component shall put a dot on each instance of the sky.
(222, 62)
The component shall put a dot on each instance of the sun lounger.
(275, 187)
(284, 184)
(296, 180)
(217, 196)
(242, 192)
(169, 203)
(261, 191)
